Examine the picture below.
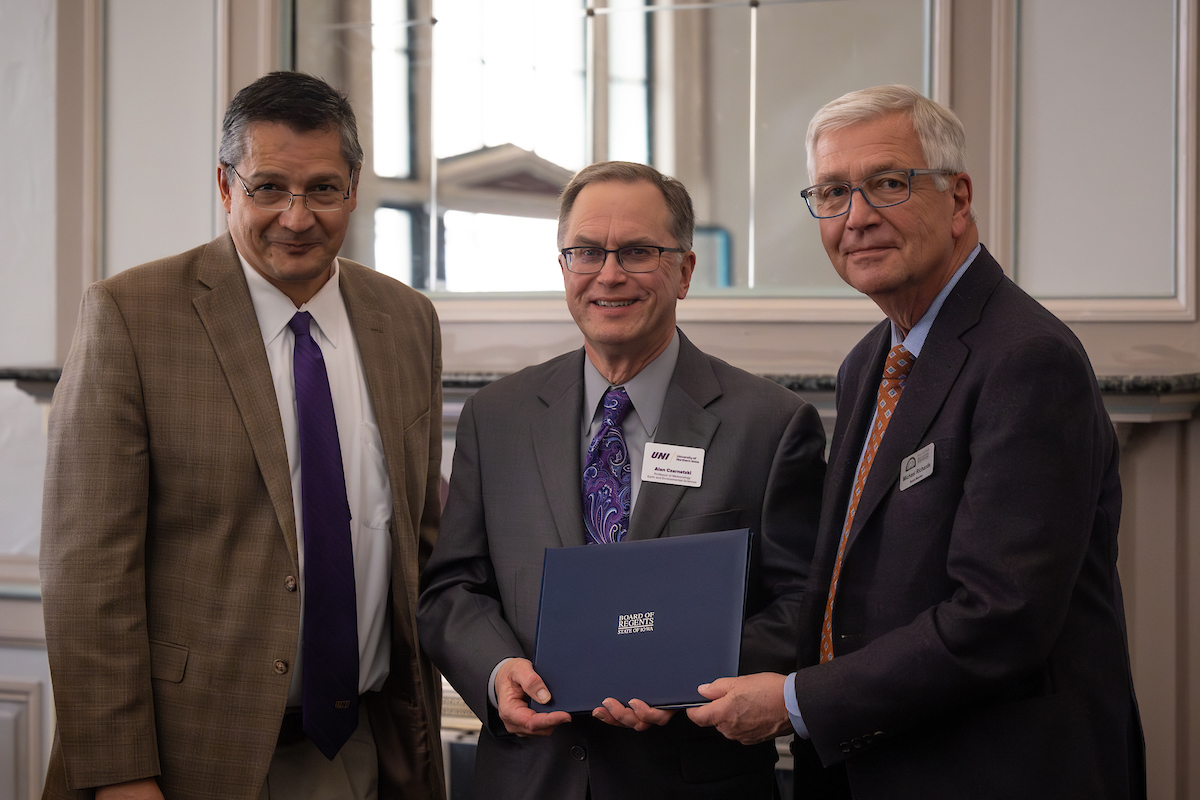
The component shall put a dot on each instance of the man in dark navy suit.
(963, 632)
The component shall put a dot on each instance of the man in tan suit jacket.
(172, 569)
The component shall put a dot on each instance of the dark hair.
(679, 202)
(301, 102)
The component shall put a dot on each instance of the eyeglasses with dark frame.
(881, 190)
(280, 200)
(632, 258)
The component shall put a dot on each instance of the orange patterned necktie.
(899, 362)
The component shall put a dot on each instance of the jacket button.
(845, 747)
(289, 583)
(281, 666)
(856, 743)
(578, 753)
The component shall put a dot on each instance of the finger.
(648, 713)
(526, 722)
(624, 715)
(706, 716)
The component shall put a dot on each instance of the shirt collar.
(916, 337)
(275, 309)
(647, 390)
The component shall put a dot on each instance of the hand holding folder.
(516, 683)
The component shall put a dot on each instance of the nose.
(611, 271)
(298, 217)
(861, 213)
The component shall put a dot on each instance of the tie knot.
(300, 322)
(616, 406)
(899, 362)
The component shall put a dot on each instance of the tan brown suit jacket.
(169, 537)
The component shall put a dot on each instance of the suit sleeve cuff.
(793, 707)
(492, 683)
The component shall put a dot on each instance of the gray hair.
(679, 202)
(940, 132)
(299, 101)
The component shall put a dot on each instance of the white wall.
(27, 53)
(27, 257)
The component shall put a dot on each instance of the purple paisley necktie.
(330, 617)
(606, 476)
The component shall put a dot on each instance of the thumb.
(533, 685)
(717, 689)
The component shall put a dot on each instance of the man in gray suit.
(521, 475)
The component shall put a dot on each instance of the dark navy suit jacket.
(979, 634)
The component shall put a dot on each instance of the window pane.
(494, 253)
(628, 95)
(510, 72)
(1083, 115)
(394, 243)
(390, 101)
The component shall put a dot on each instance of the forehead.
(864, 148)
(275, 147)
(623, 209)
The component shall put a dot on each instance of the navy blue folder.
(649, 619)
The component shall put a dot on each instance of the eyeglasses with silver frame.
(280, 200)
(632, 258)
(881, 190)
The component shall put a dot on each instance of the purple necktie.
(606, 476)
(330, 619)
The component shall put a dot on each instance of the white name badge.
(672, 463)
(916, 467)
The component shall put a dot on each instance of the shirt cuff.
(492, 684)
(793, 707)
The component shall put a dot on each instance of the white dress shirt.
(367, 487)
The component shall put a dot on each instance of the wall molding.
(27, 784)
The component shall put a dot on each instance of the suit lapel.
(683, 421)
(227, 314)
(556, 435)
(929, 383)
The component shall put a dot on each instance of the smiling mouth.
(614, 303)
(858, 251)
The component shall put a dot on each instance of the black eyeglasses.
(881, 190)
(634, 258)
(279, 200)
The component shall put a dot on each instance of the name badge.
(916, 467)
(672, 463)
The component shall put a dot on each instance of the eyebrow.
(887, 166)
(277, 177)
(585, 241)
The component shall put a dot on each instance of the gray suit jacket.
(169, 535)
(516, 491)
